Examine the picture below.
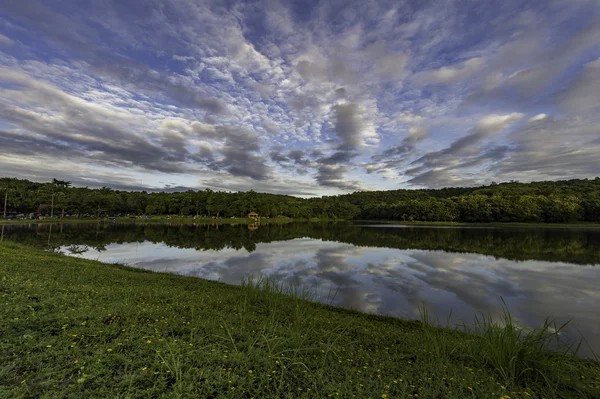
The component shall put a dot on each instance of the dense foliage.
(554, 202)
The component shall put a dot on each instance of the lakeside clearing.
(164, 220)
(75, 327)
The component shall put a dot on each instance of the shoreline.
(587, 225)
(103, 329)
(247, 221)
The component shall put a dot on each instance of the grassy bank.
(163, 220)
(79, 328)
(461, 224)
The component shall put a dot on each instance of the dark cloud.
(334, 176)
(276, 156)
(437, 168)
(338, 158)
(83, 133)
(316, 153)
(392, 152)
(348, 126)
(241, 155)
(298, 157)
(396, 156)
(341, 93)
(492, 154)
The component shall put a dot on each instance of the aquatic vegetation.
(73, 327)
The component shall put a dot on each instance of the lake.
(385, 269)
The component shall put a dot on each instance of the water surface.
(379, 269)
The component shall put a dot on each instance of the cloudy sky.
(299, 97)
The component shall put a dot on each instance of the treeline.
(580, 246)
(58, 198)
(575, 200)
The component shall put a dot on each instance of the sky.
(305, 98)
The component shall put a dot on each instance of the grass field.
(77, 328)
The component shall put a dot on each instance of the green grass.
(77, 328)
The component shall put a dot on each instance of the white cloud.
(537, 117)
(409, 118)
(450, 74)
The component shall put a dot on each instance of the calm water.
(381, 269)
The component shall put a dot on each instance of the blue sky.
(299, 97)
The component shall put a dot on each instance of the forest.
(568, 201)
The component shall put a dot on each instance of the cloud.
(5, 41)
(116, 138)
(537, 117)
(340, 157)
(351, 127)
(78, 128)
(536, 60)
(538, 149)
(409, 118)
(269, 125)
(440, 177)
(394, 157)
(240, 152)
(276, 156)
(439, 167)
(581, 96)
(145, 80)
(334, 176)
(298, 156)
(109, 65)
(451, 74)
